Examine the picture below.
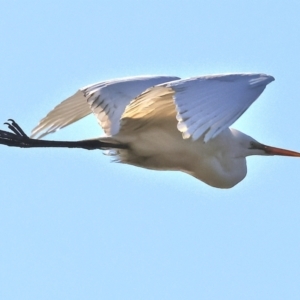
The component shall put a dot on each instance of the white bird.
(164, 123)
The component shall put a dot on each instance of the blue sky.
(73, 225)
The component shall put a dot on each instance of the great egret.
(164, 123)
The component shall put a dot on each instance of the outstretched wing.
(67, 112)
(205, 106)
(107, 100)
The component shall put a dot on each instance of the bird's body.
(165, 123)
(164, 148)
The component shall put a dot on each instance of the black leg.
(18, 138)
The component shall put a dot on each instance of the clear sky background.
(73, 225)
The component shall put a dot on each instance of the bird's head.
(252, 147)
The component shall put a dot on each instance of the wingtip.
(269, 78)
(261, 80)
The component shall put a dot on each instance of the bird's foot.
(16, 138)
(14, 127)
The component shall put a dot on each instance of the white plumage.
(107, 100)
(167, 123)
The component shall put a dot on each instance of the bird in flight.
(163, 123)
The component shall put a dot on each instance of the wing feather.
(107, 100)
(205, 105)
(67, 112)
(153, 106)
(221, 100)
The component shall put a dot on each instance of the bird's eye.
(252, 145)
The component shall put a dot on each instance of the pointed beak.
(278, 151)
(275, 151)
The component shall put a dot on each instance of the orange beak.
(278, 151)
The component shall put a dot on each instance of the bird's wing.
(205, 105)
(67, 112)
(107, 100)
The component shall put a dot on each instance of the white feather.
(205, 105)
(107, 100)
